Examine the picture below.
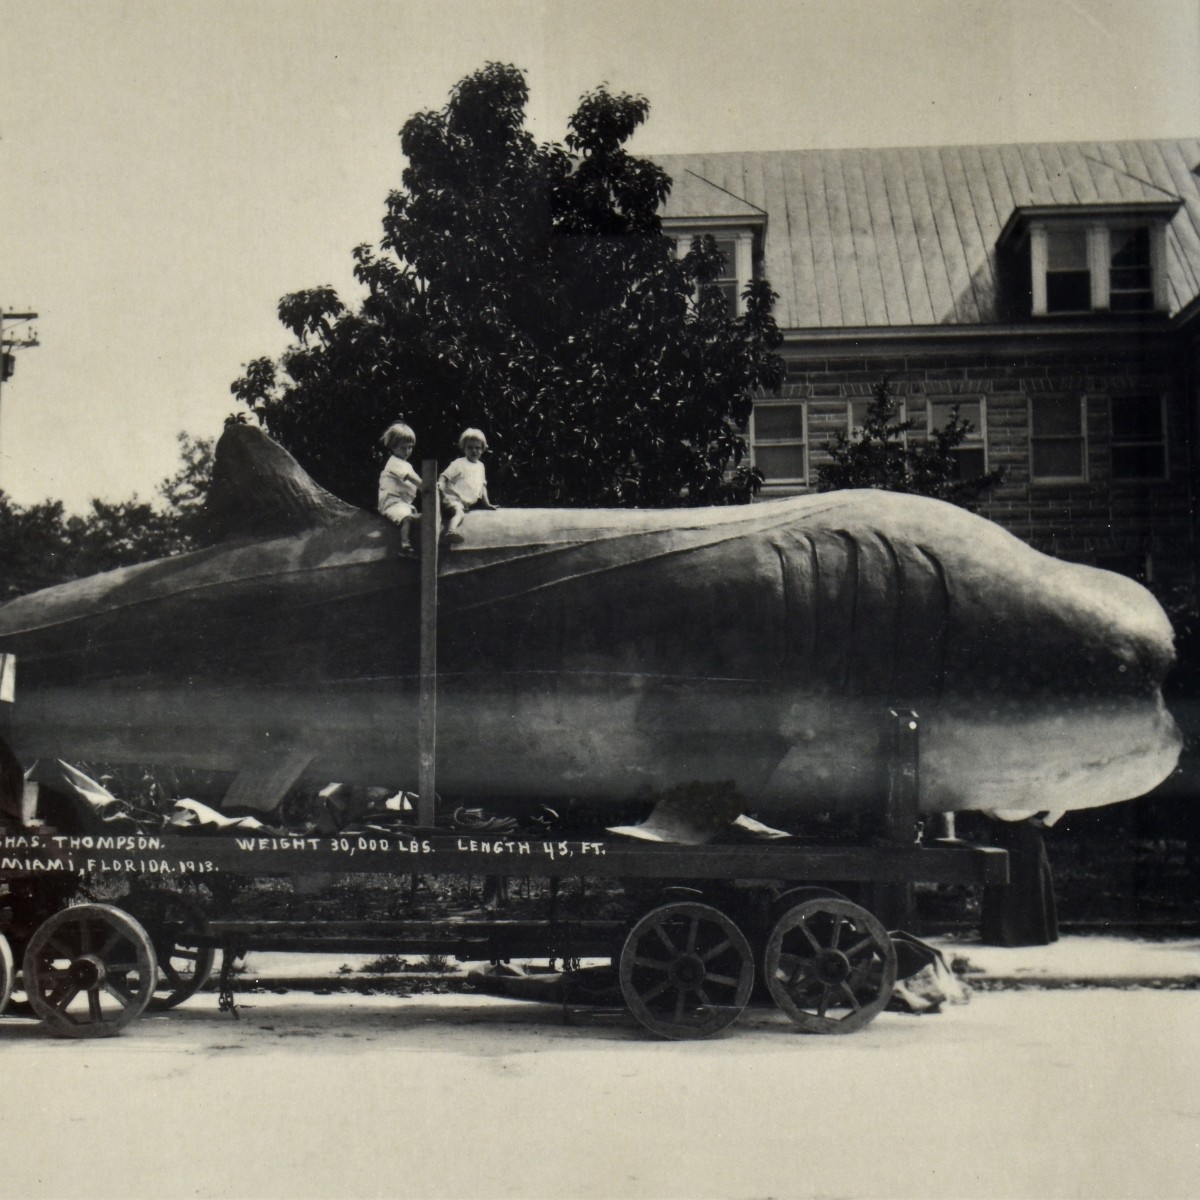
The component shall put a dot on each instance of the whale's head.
(1052, 675)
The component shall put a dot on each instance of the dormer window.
(1068, 274)
(729, 281)
(1097, 268)
(1131, 270)
(1093, 258)
(705, 206)
(737, 256)
(737, 248)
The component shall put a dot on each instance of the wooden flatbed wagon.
(711, 918)
(706, 922)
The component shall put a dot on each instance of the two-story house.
(1050, 291)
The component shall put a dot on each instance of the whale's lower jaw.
(609, 739)
(1053, 760)
(1037, 756)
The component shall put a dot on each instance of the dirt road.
(1089, 1093)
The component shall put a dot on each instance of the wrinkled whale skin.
(612, 655)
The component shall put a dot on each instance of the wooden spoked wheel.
(794, 896)
(174, 926)
(830, 965)
(89, 971)
(686, 970)
(6, 972)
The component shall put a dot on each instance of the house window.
(1102, 266)
(727, 281)
(737, 253)
(1139, 444)
(779, 441)
(1068, 276)
(1057, 439)
(856, 417)
(1131, 275)
(970, 455)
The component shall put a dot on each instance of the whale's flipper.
(689, 816)
(259, 490)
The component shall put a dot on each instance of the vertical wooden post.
(18, 796)
(893, 902)
(431, 521)
(902, 814)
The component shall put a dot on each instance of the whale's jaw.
(1046, 758)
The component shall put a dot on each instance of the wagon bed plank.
(415, 852)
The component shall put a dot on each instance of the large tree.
(529, 290)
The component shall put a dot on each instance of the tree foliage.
(885, 454)
(41, 545)
(528, 290)
(183, 494)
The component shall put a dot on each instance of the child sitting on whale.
(462, 486)
(399, 482)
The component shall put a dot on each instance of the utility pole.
(8, 344)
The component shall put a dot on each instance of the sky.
(170, 168)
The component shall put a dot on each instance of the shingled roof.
(908, 237)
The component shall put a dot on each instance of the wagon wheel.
(6, 971)
(686, 970)
(174, 925)
(830, 965)
(793, 896)
(88, 971)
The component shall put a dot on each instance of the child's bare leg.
(402, 516)
(450, 533)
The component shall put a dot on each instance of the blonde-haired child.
(399, 482)
(462, 486)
